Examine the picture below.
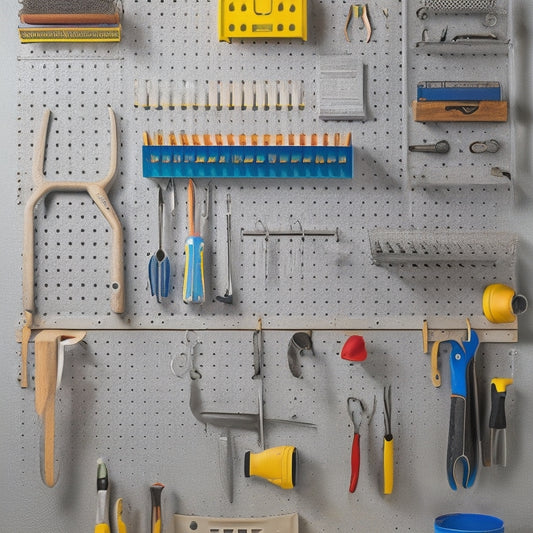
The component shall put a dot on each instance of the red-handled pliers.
(355, 410)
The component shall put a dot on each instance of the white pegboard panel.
(119, 400)
(447, 62)
(316, 277)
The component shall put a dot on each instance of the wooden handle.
(69, 18)
(45, 369)
(46, 350)
(45, 397)
(451, 111)
(101, 199)
(435, 374)
(48, 459)
(26, 334)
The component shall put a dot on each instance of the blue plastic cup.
(468, 523)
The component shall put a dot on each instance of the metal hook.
(263, 227)
(185, 364)
(205, 205)
(301, 229)
(267, 234)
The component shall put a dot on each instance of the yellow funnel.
(277, 465)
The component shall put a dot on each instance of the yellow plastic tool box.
(258, 19)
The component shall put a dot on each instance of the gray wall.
(119, 399)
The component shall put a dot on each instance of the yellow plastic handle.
(502, 383)
(101, 528)
(388, 464)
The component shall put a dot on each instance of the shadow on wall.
(522, 107)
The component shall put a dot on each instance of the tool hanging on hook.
(388, 443)
(463, 437)
(358, 11)
(97, 190)
(245, 421)
(356, 411)
(49, 357)
(194, 283)
(227, 298)
(159, 265)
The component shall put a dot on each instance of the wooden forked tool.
(49, 346)
(97, 190)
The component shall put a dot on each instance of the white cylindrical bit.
(284, 93)
(248, 94)
(153, 94)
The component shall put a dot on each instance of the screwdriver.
(193, 284)
(388, 444)
(156, 518)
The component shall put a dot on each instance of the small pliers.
(359, 11)
(463, 432)
(355, 410)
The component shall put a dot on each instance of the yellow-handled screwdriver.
(388, 444)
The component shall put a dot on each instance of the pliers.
(358, 11)
(463, 432)
(356, 409)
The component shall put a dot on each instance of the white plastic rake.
(97, 190)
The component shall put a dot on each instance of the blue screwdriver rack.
(330, 162)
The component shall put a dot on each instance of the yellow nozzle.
(501, 304)
(277, 465)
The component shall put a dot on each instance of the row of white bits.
(216, 94)
(183, 139)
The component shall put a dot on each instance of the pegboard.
(459, 59)
(119, 399)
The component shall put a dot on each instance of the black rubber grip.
(497, 412)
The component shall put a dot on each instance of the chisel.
(193, 283)
(157, 517)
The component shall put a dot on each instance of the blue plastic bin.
(468, 523)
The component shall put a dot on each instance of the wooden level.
(452, 111)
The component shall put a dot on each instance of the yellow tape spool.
(501, 304)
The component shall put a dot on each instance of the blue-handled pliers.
(463, 432)
(159, 266)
